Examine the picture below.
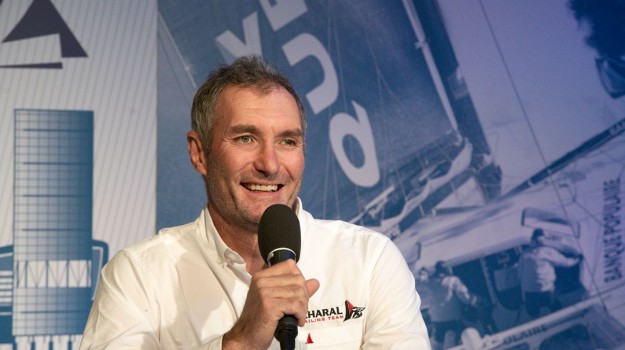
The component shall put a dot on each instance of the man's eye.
(244, 139)
(290, 142)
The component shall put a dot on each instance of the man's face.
(256, 157)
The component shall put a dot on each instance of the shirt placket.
(242, 279)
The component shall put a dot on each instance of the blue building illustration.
(48, 276)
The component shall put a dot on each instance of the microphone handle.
(286, 332)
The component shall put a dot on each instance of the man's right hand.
(274, 292)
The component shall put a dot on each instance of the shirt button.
(231, 257)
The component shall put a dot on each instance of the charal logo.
(42, 19)
(352, 311)
(335, 313)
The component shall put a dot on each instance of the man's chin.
(253, 210)
(262, 205)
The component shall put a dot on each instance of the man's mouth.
(261, 188)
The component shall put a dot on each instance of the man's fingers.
(283, 286)
(281, 268)
(283, 289)
(312, 285)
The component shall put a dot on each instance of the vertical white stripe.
(117, 82)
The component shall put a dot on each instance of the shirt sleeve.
(395, 315)
(124, 314)
(558, 259)
(461, 291)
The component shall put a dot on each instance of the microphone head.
(278, 229)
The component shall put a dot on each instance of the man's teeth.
(264, 188)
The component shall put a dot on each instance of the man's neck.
(246, 244)
(243, 241)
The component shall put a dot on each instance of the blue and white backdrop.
(455, 127)
(78, 154)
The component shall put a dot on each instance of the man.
(448, 295)
(538, 274)
(205, 285)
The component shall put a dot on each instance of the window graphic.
(53, 264)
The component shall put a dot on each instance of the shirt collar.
(225, 255)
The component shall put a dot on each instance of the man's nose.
(267, 161)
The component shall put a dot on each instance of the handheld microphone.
(278, 240)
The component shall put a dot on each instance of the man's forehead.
(234, 101)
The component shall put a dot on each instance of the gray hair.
(247, 71)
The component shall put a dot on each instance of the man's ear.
(196, 152)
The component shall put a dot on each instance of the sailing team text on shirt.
(335, 313)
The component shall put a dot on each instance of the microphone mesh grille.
(279, 228)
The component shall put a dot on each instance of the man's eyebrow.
(297, 133)
(252, 129)
(243, 128)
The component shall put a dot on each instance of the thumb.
(312, 285)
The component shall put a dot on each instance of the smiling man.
(205, 285)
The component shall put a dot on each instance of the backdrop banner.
(457, 128)
(485, 138)
(77, 155)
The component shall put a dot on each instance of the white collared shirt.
(184, 288)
